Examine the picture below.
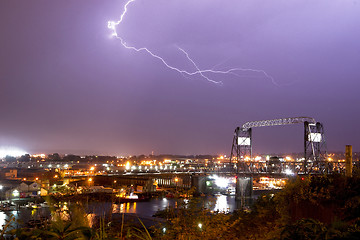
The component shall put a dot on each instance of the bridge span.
(315, 156)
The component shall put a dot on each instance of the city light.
(288, 172)
(127, 166)
(16, 193)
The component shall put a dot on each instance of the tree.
(55, 157)
(25, 158)
(192, 220)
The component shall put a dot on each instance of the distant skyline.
(67, 86)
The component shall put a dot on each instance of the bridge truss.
(314, 160)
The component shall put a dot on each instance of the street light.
(16, 193)
(176, 183)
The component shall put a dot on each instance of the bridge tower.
(241, 150)
(314, 160)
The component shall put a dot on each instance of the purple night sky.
(67, 86)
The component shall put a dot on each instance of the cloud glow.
(203, 73)
(11, 151)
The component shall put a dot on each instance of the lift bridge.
(314, 160)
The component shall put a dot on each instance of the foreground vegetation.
(313, 207)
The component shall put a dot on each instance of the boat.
(32, 205)
(6, 207)
(44, 205)
(134, 198)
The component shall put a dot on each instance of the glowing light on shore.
(128, 165)
(221, 181)
(11, 151)
(288, 172)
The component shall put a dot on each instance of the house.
(24, 190)
(12, 173)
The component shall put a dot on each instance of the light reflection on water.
(146, 209)
(6, 216)
(91, 219)
(221, 203)
(2, 219)
(124, 207)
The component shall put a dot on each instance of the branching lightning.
(201, 72)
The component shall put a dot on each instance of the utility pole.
(348, 161)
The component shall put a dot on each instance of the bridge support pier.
(199, 182)
(244, 190)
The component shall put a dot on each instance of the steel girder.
(278, 122)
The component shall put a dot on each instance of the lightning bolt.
(112, 25)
